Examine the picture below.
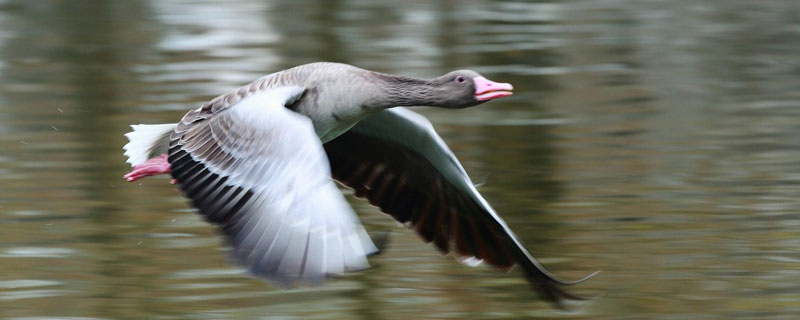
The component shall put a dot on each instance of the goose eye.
(460, 79)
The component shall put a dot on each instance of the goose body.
(257, 162)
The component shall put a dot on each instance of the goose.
(258, 162)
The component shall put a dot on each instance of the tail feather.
(147, 141)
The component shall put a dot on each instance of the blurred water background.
(655, 140)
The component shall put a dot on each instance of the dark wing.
(258, 171)
(396, 160)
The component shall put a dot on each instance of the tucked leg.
(152, 167)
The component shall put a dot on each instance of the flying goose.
(258, 163)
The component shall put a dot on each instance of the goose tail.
(147, 141)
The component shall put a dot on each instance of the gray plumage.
(259, 171)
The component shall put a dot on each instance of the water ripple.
(27, 283)
(32, 294)
(37, 252)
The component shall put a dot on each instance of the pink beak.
(486, 89)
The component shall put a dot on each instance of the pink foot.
(155, 166)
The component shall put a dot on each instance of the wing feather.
(410, 174)
(258, 171)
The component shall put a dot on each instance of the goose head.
(466, 88)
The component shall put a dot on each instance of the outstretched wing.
(258, 171)
(396, 160)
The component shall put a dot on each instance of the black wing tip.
(562, 282)
(552, 291)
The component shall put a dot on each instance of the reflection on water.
(657, 141)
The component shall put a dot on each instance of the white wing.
(258, 170)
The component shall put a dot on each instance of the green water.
(658, 141)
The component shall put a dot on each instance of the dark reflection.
(308, 42)
(519, 155)
(80, 54)
(99, 67)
